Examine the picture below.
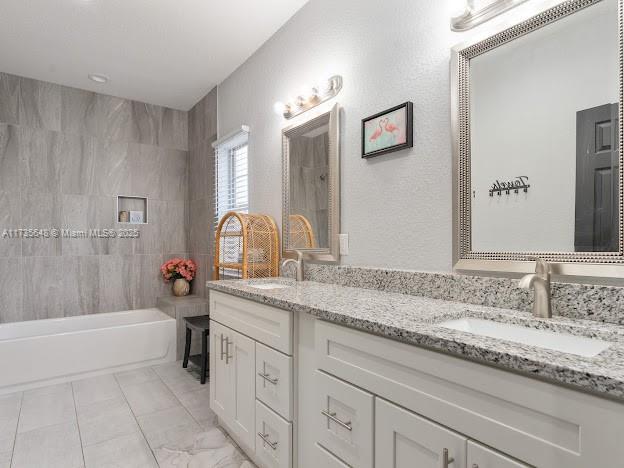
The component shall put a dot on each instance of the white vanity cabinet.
(295, 391)
(426, 402)
(251, 377)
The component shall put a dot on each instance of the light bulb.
(279, 108)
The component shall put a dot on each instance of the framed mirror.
(311, 190)
(537, 130)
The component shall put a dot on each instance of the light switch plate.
(344, 244)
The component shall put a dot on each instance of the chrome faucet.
(298, 264)
(540, 282)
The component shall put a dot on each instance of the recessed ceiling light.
(98, 78)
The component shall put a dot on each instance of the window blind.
(231, 175)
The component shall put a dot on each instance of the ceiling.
(166, 52)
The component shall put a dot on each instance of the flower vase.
(181, 287)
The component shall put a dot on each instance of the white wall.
(524, 100)
(396, 208)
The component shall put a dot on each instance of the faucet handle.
(542, 267)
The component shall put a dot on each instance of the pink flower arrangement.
(178, 268)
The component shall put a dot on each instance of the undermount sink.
(269, 286)
(566, 343)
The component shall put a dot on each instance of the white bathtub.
(45, 352)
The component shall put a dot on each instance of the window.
(231, 190)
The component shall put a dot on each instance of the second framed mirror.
(311, 188)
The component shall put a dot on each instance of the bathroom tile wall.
(65, 155)
(202, 133)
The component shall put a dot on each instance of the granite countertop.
(415, 320)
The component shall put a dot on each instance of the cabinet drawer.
(405, 440)
(344, 421)
(539, 423)
(326, 459)
(483, 457)
(274, 383)
(273, 438)
(266, 324)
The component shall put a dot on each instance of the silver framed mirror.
(537, 140)
(311, 188)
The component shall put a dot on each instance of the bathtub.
(45, 352)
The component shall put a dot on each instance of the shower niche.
(132, 210)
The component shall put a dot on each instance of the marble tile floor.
(151, 417)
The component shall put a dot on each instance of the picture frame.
(388, 131)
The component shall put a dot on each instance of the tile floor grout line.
(136, 420)
(84, 460)
(19, 415)
(218, 426)
(180, 401)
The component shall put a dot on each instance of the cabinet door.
(405, 440)
(483, 457)
(220, 379)
(242, 368)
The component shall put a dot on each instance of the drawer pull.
(332, 416)
(446, 461)
(268, 378)
(265, 440)
(222, 352)
(227, 350)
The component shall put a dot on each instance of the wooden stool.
(201, 323)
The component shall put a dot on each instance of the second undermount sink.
(564, 342)
(269, 286)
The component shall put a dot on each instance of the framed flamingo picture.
(389, 131)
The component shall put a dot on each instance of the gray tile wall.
(65, 154)
(202, 133)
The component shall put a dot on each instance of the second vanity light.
(479, 11)
(310, 98)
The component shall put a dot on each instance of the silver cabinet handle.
(222, 352)
(227, 350)
(332, 416)
(265, 440)
(268, 378)
(446, 461)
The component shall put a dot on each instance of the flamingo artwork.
(377, 133)
(390, 127)
(388, 131)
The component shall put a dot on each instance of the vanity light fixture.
(98, 78)
(310, 98)
(475, 14)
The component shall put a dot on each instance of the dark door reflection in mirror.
(597, 214)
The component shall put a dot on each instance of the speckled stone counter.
(415, 320)
(578, 301)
